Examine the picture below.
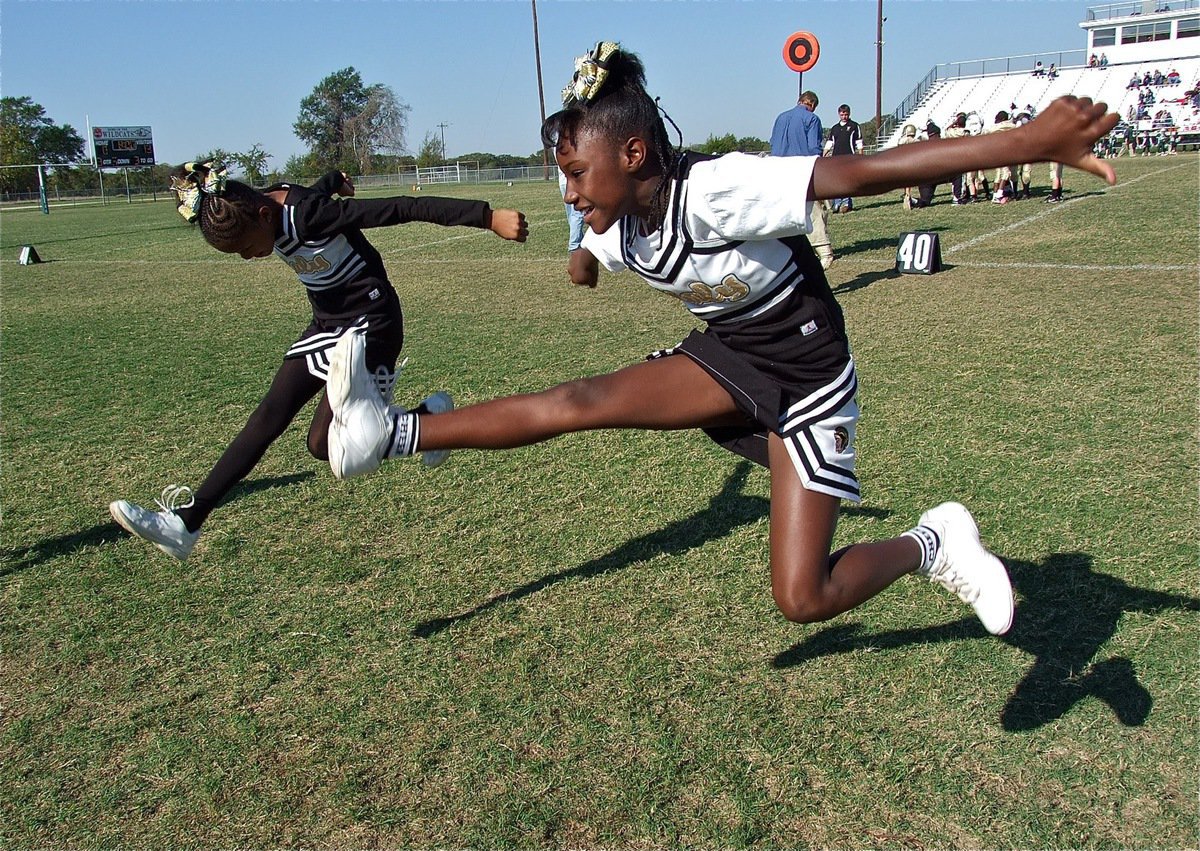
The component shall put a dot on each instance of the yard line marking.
(472, 235)
(1056, 207)
(1086, 267)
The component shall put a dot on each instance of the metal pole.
(537, 55)
(878, 70)
(42, 192)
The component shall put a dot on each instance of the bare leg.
(668, 393)
(807, 582)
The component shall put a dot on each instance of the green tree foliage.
(728, 143)
(345, 122)
(299, 167)
(431, 152)
(27, 137)
(252, 165)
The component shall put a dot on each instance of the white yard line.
(1054, 208)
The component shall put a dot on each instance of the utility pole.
(537, 56)
(443, 127)
(879, 72)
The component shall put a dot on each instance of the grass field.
(574, 645)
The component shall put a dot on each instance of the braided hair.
(223, 214)
(619, 110)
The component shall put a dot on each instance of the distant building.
(1144, 30)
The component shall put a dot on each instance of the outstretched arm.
(1064, 132)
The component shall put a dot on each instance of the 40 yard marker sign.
(919, 253)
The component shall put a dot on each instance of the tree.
(220, 156)
(298, 167)
(253, 164)
(431, 152)
(718, 144)
(58, 144)
(345, 122)
(29, 137)
(728, 143)
(379, 127)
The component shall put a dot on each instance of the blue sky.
(231, 73)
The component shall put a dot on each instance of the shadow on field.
(22, 558)
(726, 511)
(1065, 612)
(865, 280)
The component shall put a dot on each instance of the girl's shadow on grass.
(1066, 614)
(726, 511)
(22, 558)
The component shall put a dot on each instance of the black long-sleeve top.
(321, 239)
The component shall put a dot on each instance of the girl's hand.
(1065, 131)
(509, 224)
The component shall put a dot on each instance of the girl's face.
(602, 181)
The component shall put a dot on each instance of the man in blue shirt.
(798, 133)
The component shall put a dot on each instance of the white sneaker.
(362, 421)
(439, 403)
(163, 528)
(963, 566)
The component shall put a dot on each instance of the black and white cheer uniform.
(733, 250)
(322, 241)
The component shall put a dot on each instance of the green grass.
(574, 645)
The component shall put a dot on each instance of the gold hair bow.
(591, 70)
(199, 179)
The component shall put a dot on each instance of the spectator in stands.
(1093, 61)
(1103, 60)
(1134, 82)
(1173, 77)
(845, 138)
(1147, 79)
(1053, 72)
(797, 133)
(1038, 70)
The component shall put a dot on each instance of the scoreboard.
(118, 147)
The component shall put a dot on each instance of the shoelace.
(951, 581)
(386, 380)
(173, 497)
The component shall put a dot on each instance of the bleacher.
(985, 95)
